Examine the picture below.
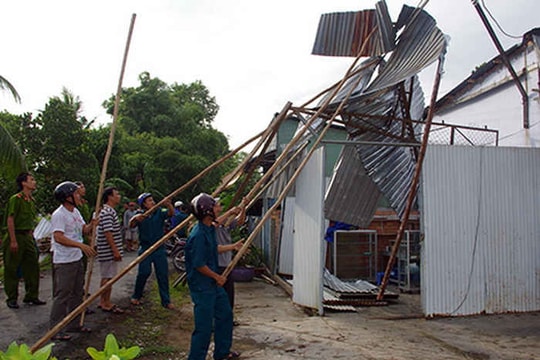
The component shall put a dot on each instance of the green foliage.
(22, 352)
(165, 138)
(11, 157)
(113, 352)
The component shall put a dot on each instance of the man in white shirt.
(68, 227)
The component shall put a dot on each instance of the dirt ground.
(272, 327)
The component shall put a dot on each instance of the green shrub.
(22, 352)
(112, 351)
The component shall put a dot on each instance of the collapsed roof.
(383, 104)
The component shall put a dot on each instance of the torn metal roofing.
(350, 180)
(346, 33)
(419, 45)
(359, 289)
(378, 110)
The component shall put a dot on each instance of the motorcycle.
(177, 253)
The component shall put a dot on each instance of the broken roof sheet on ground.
(379, 108)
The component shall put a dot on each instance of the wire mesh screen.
(443, 134)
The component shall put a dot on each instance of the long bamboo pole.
(51, 333)
(414, 183)
(275, 127)
(265, 140)
(277, 174)
(291, 181)
(136, 261)
(201, 174)
(107, 157)
(301, 133)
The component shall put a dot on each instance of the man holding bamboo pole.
(212, 311)
(151, 229)
(68, 228)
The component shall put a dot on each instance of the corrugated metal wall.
(286, 249)
(309, 233)
(481, 251)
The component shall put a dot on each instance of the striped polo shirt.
(108, 221)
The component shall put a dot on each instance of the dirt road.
(271, 327)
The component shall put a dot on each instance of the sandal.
(80, 329)
(114, 309)
(61, 337)
(232, 355)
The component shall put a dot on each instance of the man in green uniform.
(19, 247)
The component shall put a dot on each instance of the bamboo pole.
(289, 184)
(414, 183)
(201, 174)
(299, 135)
(275, 127)
(135, 262)
(60, 325)
(106, 159)
(266, 138)
(277, 174)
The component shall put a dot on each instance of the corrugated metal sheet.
(344, 33)
(374, 112)
(390, 168)
(309, 233)
(420, 44)
(286, 248)
(481, 252)
(351, 181)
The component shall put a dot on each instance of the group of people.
(208, 252)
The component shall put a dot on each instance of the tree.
(56, 146)
(165, 137)
(11, 158)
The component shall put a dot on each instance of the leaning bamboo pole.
(136, 261)
(264, 142)
(201, 174)
(293, 178)
(106, 159)
(414, 183)
(50, 333)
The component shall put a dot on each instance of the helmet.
(178, 204)
(64, 190)
(203, 205)
(142, 197)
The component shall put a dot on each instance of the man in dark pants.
(224, 224)
(212, 311)
(68, 227)
(150, 231)
(19, 247)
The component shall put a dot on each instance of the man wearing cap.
(151, 229)
(180, 214)
(212, 311)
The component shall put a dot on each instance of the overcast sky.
(253, 56)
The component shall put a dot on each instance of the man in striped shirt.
(109, 246)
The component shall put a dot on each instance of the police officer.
(19, 247)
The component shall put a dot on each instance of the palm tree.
(6, 85)
(11, 157)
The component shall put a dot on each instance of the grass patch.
(150, 326)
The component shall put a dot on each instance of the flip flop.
(114, 309)
(232, 355)
(135, 302)
(61, 337)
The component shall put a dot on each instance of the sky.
(253, 56)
